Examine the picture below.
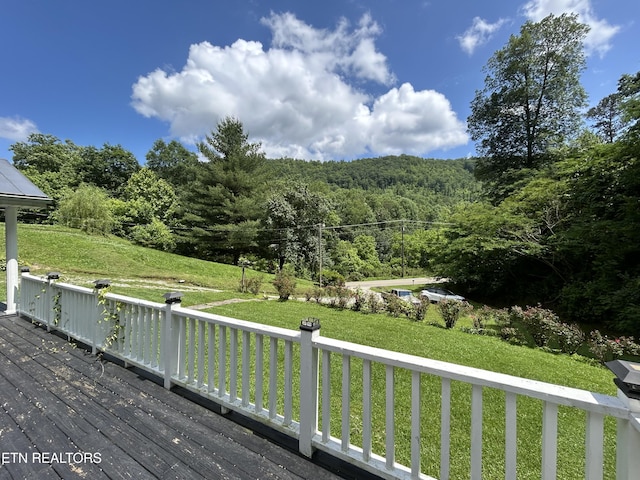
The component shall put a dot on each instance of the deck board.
(57, 398)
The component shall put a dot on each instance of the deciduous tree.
(531, 100)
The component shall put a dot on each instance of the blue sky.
(338, 79)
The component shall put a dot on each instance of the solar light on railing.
(172, 297)
(310, 324)
(102, 283)
(25, 269)
(53, 275)
(627, 377)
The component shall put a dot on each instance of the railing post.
(95, 330)
(51, 276)
(628, 438)
(23, 271)
(169, 343)
(309, 331)
(628, 441)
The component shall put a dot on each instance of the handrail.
(251, 368)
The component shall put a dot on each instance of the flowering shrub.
(452, 310)
(359, 301)
(285, 284)
(373, 304)
(542, 324)
(606, 349)
(420, 310)
(570, 337)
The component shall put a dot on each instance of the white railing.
(293, 381)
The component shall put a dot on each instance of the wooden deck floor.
(66, 414)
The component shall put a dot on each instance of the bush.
(359, 301)
(253, 284)
(606, 349)
(420, 310)
(542, 324)
(285, 284)
(570, 337)
(373, 304)
(332, 278)
(452, 310)
(511, 335)
(87, 208)
(153, 235)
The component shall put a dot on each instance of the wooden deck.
(67, 414)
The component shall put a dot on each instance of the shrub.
(394, 305)
(285, 284)
(542, 324)
(86, 208)
(332, 278)
(359, 301)
(373, 304)
(606, 349)
(254, 284)
(420, 310)
(570, 337)
(452, 310)
(153, 235)
(511, 335)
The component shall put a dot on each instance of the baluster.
(233, 364)
(246, 367)
(366, 410)
(273, 377)
(445, 428)
(549, 441)
(594, 446)
(288, 382)
(476, 432)
(259, 372)
(326, 395)
(511, 435)
(211, 353)
(201, 352)
(346, 402)
(415, 424)
(390, 433)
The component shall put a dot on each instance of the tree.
(531, 100)
(144, 185)
(607, 118)
(629, 90)
(294, 215)
(225, 196)
(109, 167)
(87, 209)
(55, 167)
(173, 163)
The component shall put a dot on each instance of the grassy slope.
(81, 258)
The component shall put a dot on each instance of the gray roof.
(16, 190)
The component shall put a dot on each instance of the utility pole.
(320, 225)
(402, 250)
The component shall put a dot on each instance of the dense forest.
(548, 213)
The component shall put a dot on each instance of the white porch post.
(11, 237)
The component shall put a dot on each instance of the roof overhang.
(16, 190)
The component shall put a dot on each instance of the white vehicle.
(405, 295)
(437, 294)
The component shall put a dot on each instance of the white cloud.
(479, 33)
(303, 96)
(16, 129)
(599, 37)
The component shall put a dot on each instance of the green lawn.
(146, 273)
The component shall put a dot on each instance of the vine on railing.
(111, 316)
